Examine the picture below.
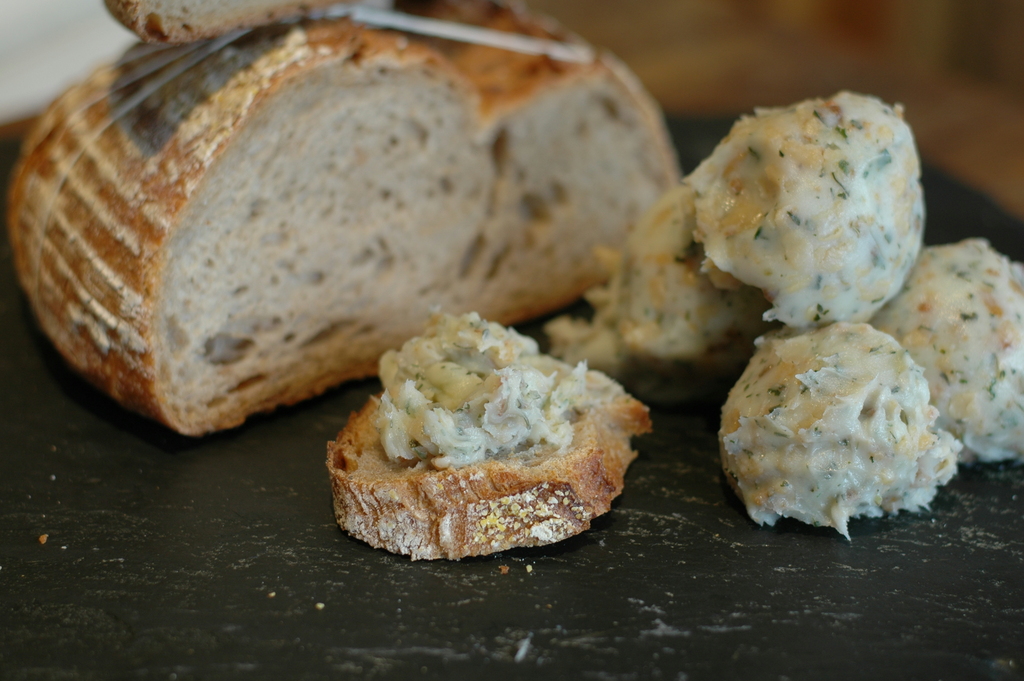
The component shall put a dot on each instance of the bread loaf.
(267, 222)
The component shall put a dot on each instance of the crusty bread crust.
(484, 508)
(159, 21)
(97, 206)
(91, 209)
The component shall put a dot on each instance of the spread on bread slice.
(260, 219)
(478, 444)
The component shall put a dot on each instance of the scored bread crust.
(482, 508)
(97, 206)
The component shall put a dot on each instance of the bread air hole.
(343, 463)
(471, 256)
(499, 150)
(385, 259)
(421, 133)
(248, 383)
(611, 107)
(558, 193)
(364, 257)
(497, 262)
(256, 208)
(328, 331)
(226, 349)
(155, 26)
(261, 324)
(534, 208)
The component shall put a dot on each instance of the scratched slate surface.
(172, 558)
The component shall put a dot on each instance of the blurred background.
(957, 65)
(736, 52)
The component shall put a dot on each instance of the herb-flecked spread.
(961, 316)
(469, 390)
(660, 324)
(833, 424)
(819, 205)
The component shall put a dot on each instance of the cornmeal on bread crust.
(267, 223)
(479, 444)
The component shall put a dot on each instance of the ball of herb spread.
(660, 326)
(832, 424)
(819, 205)
(468, 390)
(961, 317)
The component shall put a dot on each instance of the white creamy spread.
(469, 390)
(660, 324)
(819, 205)
(832, 424)
(961, 316)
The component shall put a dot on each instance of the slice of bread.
(182, 21)
(482, 508)
(265, 224)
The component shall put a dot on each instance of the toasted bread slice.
(482, 508)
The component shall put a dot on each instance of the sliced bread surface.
(482, 508)
(265, 224)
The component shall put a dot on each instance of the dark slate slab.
(174, 558)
